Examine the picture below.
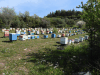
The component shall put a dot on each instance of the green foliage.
(55, 30)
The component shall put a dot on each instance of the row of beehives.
(65, 40)
(23, 36)
(43, 29)
(6, 33)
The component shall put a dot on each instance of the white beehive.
(67, 35)
(64, 40)
(76, 40)
(72, 41)
(37, 32)
(58, 36)
(69, 42)
(81, 39)
(22, 37)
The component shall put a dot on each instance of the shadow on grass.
(8, 41)
(1, 37)
(70, 60)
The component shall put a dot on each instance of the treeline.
(8, 18)
(70, 14)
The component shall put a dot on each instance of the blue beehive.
(50, 32)
(22, 33)
(37, 37)
(69, 31)
(75, 31)
(32, 37)
(45, 36)
(17, 34)
(12, 36)
(53, 35)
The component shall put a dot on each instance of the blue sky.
(41, 7)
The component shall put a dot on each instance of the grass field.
(34, 56)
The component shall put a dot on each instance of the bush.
(55, 30)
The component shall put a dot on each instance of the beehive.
(45, 36)
(24, 30)
(64, 40)
(29, 30)
(22, 37)
(75, 31)
(36, 36)
(32, 37)
(67, 34)
(37, 32)
(76, 40)
(12, 36)
(69, 31)
(47, 32)
(63, 35)
(29, 36)
(53, 35)
(86, 37)
(50, 32)
(69, 41)
(6, 34)
(18, 33)
(58, 36)
(72, 41)
(31, 33)
(22, 33)
(81, 39)
(61, 31)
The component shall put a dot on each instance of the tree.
(7, 15)
(92, 18)
(1, 23)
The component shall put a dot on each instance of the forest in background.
(58, 19)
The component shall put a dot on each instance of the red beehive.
(63, 35)
(6, 34)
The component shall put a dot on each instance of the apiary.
(22, 37)
(45, 36)
(64, 40)
(67, 34)
(53, 35)
(6, 34)
(12, 36)
(81, 39)
(86, 37)
(76, 40)
(32, 37)
(58, 36)
(63, 35)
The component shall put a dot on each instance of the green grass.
(29, 62)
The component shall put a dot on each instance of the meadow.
(41, 57)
